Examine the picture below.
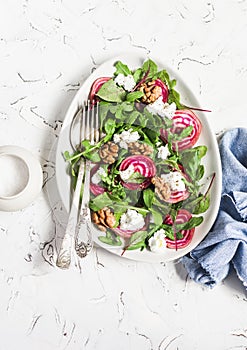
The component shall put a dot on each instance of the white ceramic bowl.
(21, 178)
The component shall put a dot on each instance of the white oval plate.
(211, 161)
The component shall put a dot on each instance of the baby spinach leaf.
(138, 236)
(101, 201)
(157, 217)
(184, 133)
(137, 240)
(193, 222)
(110, 239)
(137, 74)
(148, 197)
(136, 178)
(174, 97)
(202, 205)
(111, 92)
(135, 95)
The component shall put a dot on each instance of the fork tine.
(92, 128)
(87, 127)
(83, 123)
(97, 132)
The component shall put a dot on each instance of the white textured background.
(47, 49)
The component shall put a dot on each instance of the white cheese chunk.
(163, 152)
(126, 174)
(131, 220)
(174, 180)
(127, 82)
(157, 242)
(97, 177)
(161, 108)
(126, 137)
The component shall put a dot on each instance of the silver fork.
(64, 255)
(83, 237)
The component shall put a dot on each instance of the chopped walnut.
(161, 188)
(140, 148)
(109, 152)
(151, 92)
(104, 218)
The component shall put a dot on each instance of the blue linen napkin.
(226, 243)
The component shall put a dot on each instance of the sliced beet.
(181, 120)
(164, 88)
(142, 164)
(182, 217)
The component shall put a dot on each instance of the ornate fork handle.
(83, 237)
(84, 229)
(64, 255)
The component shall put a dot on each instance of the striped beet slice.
(182, 217)
(181, 120)
(164, 88)
(178, 196)
(95, 88)
(142, 164)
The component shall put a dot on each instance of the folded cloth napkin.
(226, 243)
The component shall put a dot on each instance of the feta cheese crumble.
(157, 242)
(175, 181)
(163, 152)
(97, 177)
(131, 220)
(161, 108)
(126, 137)
(127, 82)
(126, 174)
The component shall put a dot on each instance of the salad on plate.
(148, 190)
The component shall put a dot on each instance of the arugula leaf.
(110, 126)
(111, 92)
(66, 155)
(122, 69)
